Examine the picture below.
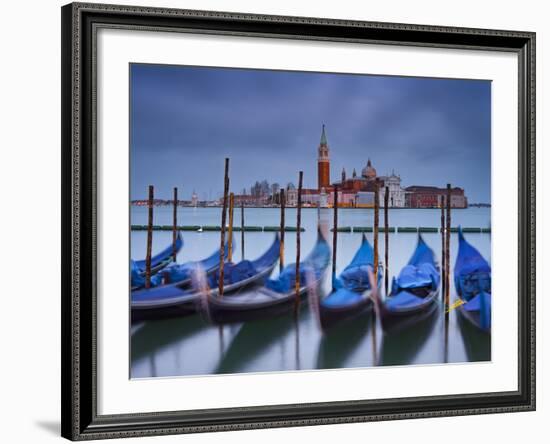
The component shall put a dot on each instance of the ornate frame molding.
(80, 22)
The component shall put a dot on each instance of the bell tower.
(323, 163)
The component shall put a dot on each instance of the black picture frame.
(79, 208)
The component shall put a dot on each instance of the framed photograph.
(280, 221)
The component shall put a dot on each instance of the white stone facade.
(397, 193)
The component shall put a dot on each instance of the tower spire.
(323, 136)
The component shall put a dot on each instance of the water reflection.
(339, 343)
(263, 337)
(476, 342)
(402, 344)
(178, 346)
(190, 346)
(154, 335)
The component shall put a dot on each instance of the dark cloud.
(184, 120)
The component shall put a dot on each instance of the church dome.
(369, 172)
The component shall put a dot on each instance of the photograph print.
(301, 221)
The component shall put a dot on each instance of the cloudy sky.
(186, 120)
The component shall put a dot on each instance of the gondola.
(276, 297)
(173, 300)
(413, 291)
(163, 258)
(179, 274)
(472, 275)
(350, 296)
(158, 262)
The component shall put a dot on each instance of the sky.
(185, 120)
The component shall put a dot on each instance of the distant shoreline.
(316, 208)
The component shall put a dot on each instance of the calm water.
(189, 346)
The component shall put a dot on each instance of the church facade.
(354, 191)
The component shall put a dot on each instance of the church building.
(354, 191)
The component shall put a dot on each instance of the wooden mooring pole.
(448, 250)
(149, 237)
(175, 225)
(375, 229)
(386, 239)
(298, 231)
(242, 229)
(447, 272)
(222, 236)
(334, 235)
(230, 231)
(282, 231)
(443, 250)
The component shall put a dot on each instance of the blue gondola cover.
(417, 279)
(315, 263)
(354, 280)
(138, 279)
(472, 272)
(181, 272)
(162, 256)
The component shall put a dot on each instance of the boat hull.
(220, 311)
(397, 319)
(172, 311)
(473, 317)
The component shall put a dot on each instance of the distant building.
(260, 188)
(194, 199)
(310, 197)
(432, 197)
(396, 196)
(291, 195)
(346, 199)
(364, 199)
(369, 172)
(323, 199)
(275, 187)
(250, 200)
(349, 187)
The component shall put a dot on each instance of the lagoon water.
(190, 346)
